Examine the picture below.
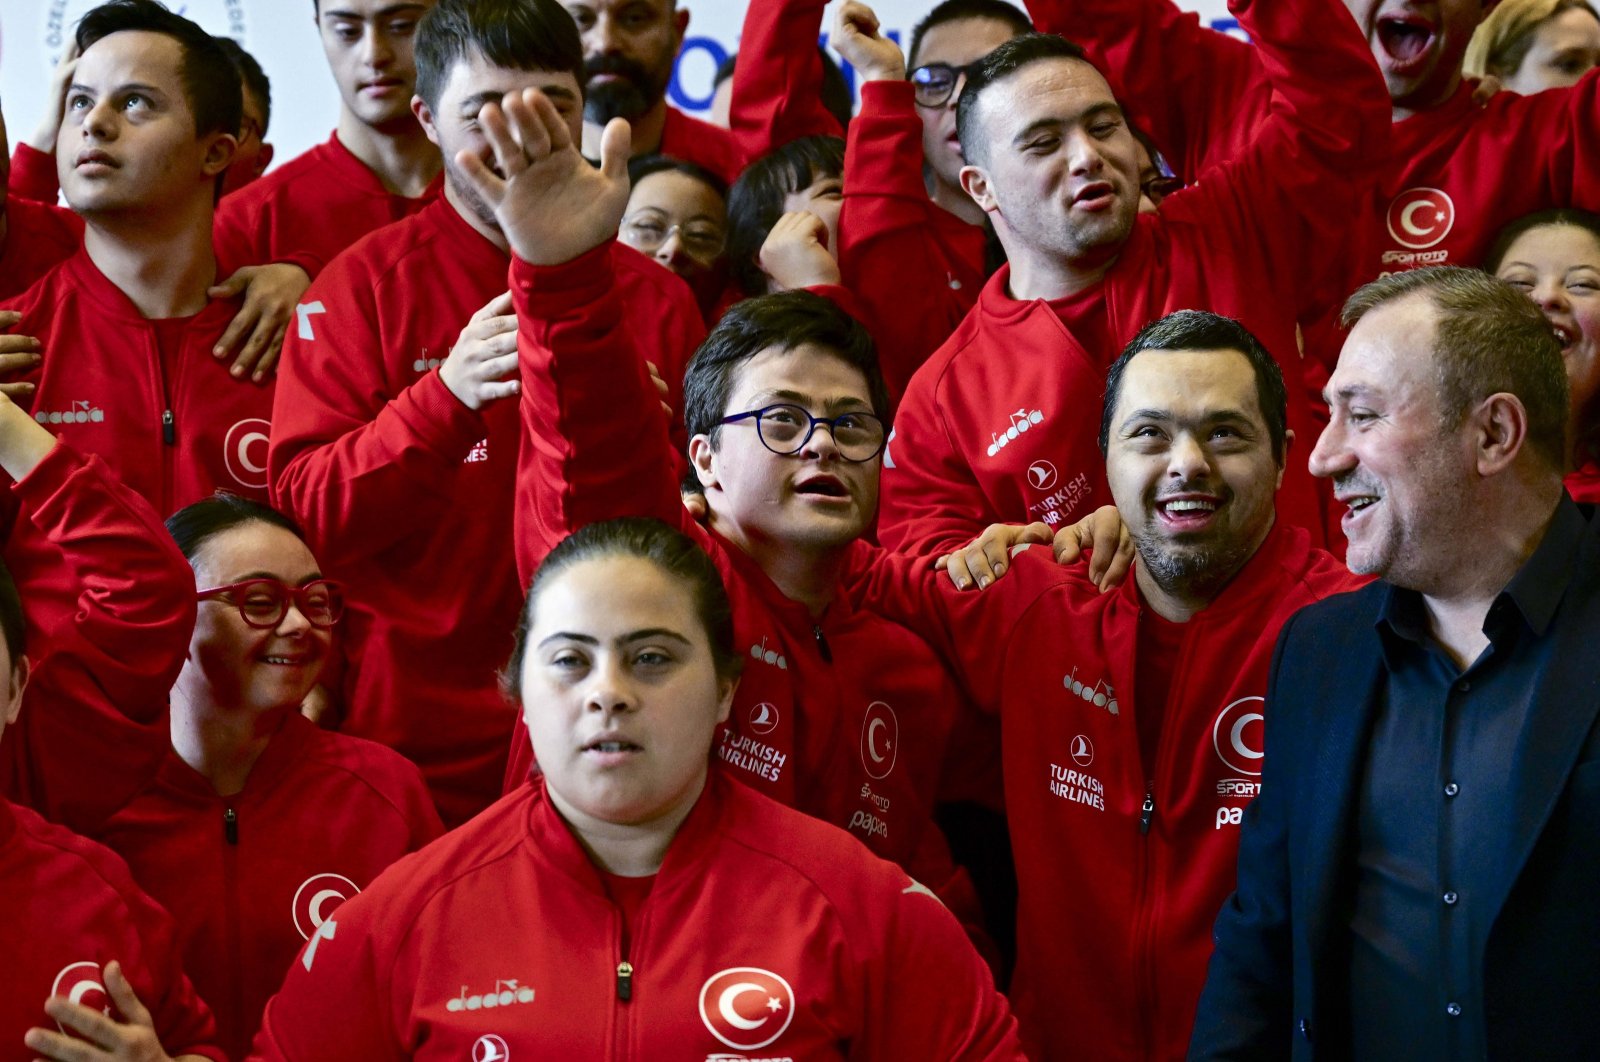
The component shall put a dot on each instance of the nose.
(1331, 457)
(100, 120)
(376, 50)
(1187, 460)
(671, 253)
(1550, 295)
(609, 690)
(1085, 157)
(294, 622)
(955, 91)
(602, 38)
(821, 445)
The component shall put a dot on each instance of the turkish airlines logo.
(1238, 735)
(80, 982)
(1421, 217)
(317, 898)
(764, 718)
(880, 739)
(1082, 751)
(245, 451)
(304, 313)
(746, 1007)
(1042, 474)
(490, 1048)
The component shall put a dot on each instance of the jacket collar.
(283, 754)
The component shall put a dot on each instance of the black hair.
(643, 166)
(1570, 216)
(1200, 330)
(755, 202)
(192, 526)
(1007, 59)
(671, 551)
(253, 77)
(785, 321)
(962, 10)
(210, 80)
(515, 34)
(834, 93)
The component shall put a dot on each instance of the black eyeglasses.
(785, 429)
(262, 603)
(933, 83)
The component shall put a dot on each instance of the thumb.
(1036, 533)
(498, 306)
(615, 144)
(227, 289)
(123, 995)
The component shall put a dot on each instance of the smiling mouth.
(1404, 39)
(286, 661)
(1566, 336)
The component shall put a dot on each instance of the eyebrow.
(632, 636)
(313, 577)
(851, 403)
(1165, 416)
(1349, 392)
(132, 86)
(1054, 123)
(385, 12)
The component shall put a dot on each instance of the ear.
(425, 117)
(680, 26)
(726, 689)
(1500, 431)
(219, 154)
(264, 158)
(975, 182)
(702, 456)
(1288, 448)
(19, 681)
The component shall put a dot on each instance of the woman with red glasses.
(260, 824)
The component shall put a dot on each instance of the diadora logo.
(504, 994)
(317, 898)
(78, 411)
(305, 311)
(244, 450)
(746, 1007)
(1421, 217)
(81, 983)
(424, 363)
(764, 718)
(490, 1048)
(1082, 751)
(1021, 421)
(1042, 475)
(880, 739)
(1101, 695)
(769, 656)
(1237, 735)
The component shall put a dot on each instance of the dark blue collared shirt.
(1432, 819)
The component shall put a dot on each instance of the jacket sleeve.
(1568, 151)
(1246, 1008)
(116, 609)
(1199, 93)
(931, 502)
(348, 457)
(890, 255)
(777, 82)
(33, 175)
(594, 438)
(243, 237)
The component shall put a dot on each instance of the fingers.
(497, 307)
(489, 186)
(859, 18)
(694, 503)
(59, 1048)
(1037, 533)
(123, 995)
(243, 324)
(1120, 565)
(227, 289)
(92, 1025)
(498, 389)
(616, 142)
(17, 392)
(18, 353)
(517, 133)
(254, 348)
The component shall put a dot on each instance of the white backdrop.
(280, 34)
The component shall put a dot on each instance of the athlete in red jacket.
(1132, 720)
(992, 428)
(376, 168)
(259, 823)
(394, 452)
(658, 909)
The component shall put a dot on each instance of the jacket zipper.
(230, 826)
(822, 642)
(232, 933)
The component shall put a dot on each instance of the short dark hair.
(192, 526)
(645, 165)
(1568, 216)
(1488, 338)
(1013, 55)
(515, 34)
(671, 551)
(210, 80)
(785, 320)
(756, 201)
(961, 11)
(253, 77)
(1199, 330)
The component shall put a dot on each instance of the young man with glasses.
(838, 712)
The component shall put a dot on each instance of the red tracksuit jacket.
(915, 267)
(174, 433)
(408, 494)
(310, 208)
(67, 908)
(110, 604)
(765, 935)
(38, 237)
(250, 877)
(845, 717)
(1122, 865)
(1000, 425)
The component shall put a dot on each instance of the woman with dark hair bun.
(259, 824)
(632, 901)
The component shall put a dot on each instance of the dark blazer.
(1278, 984)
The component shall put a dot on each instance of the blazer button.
(1305, 1028)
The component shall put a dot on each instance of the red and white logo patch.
(317, 898)
(746, 1007)
(1238, 735)
(880, 739)
(245, 451)
(1420, 217)
(82, 983)
(764, 718)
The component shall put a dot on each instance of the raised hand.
(482, 366)
(795, 253)
(550, 203)
(856, 36)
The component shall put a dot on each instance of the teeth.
(610, 746)
(1361, 503)
(1191, 505)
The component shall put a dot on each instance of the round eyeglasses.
(648, 233)
(262, 603)
(785, 429)
(932, 84)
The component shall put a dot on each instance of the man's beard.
(630, 95)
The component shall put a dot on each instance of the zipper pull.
(169, 428)
(624, 981)
(1147, 812)
(230, 826)
(822, 643)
